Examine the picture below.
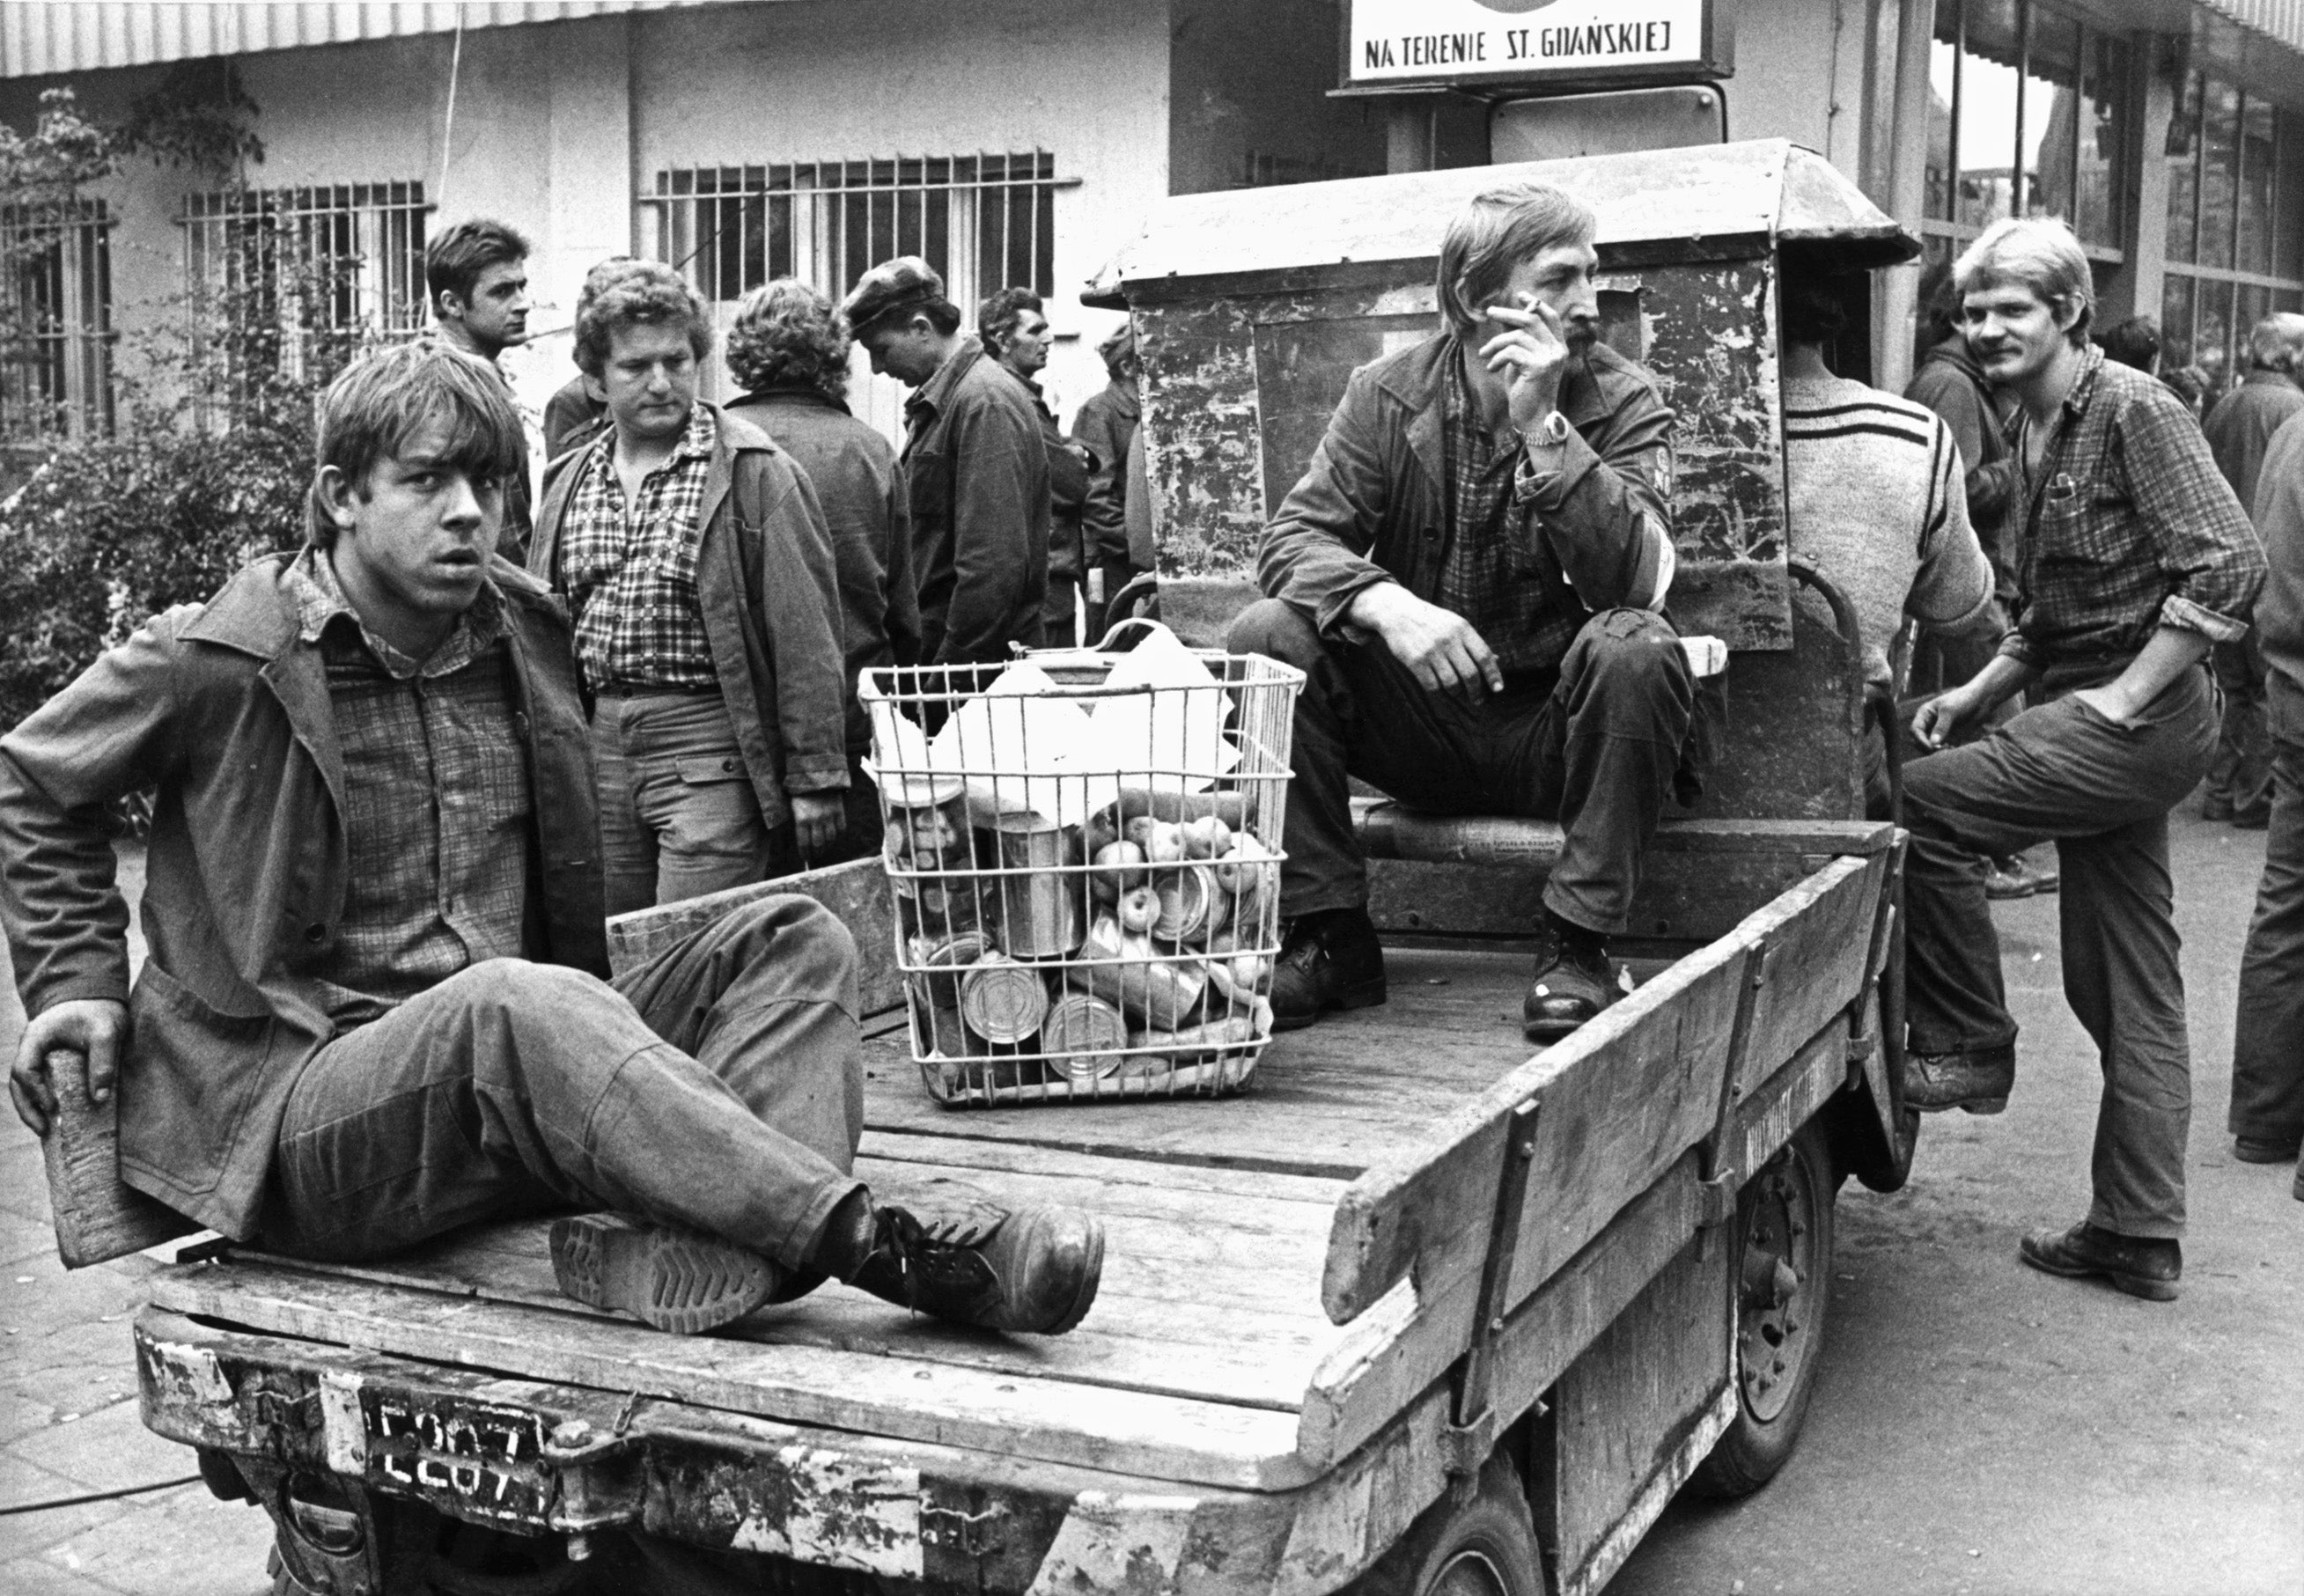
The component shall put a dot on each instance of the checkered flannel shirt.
(1485, 577)
(436, 798)
(2129, 526)
(630, 574)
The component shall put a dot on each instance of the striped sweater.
(1877, 506)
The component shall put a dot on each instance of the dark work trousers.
(2267, 1099)
(2240, 776)
(2102, 793)
(719, 1086)
(1595, 749)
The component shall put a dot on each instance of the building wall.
(827, 80)
(1249, 98)
(1796, 61)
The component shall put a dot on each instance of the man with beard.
(2134, 559)
(1471, 575)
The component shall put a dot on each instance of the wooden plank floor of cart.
(1193, 1365)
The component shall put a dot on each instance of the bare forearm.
(2001, 680)
(2171, 651)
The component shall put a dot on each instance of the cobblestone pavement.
(1977, 1429)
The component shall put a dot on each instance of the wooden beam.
(99, 1216)
(857, 892)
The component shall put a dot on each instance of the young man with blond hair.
(2134, 559)
(376, 1006)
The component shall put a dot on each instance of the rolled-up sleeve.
(2207, 546)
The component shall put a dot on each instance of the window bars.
(56, 322)
(342, 258)
(984, 221)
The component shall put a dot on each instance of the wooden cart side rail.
(856, 893)
(1623, 1098)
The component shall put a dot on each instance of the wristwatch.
(1551, 432)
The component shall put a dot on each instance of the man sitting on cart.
(1471, 576)
(375, 1007)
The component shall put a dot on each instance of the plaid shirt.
(1488, 576)
(630, 577)
(2128, 527)
(436, 798)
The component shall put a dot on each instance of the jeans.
(678, 815)
(2240, 776)
(1593, 748)
(718, 1087)
(2267, 1099)
(2102, 792)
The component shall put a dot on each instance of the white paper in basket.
(1173, 738)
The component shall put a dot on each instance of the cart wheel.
(1486, 1547)
(1780, 1293)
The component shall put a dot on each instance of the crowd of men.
(404, 772)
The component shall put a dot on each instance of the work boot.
(1574, 980)
(1977, 1082)
(955, 1255)
(2145, 1266)
(2017, 876)
(2263, 1149)
(680, 1280)
(1331, 959)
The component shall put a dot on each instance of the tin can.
(1002, 1001)
(1083, 1035)
(1040, 912)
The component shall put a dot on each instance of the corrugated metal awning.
(40, 37)
(2281, 20)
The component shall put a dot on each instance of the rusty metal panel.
(1240, 382)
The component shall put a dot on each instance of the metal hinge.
(1716, 1200)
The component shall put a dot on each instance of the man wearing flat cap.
(976, 471)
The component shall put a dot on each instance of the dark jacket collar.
(792, 393)
(935, 393)
(256, 612)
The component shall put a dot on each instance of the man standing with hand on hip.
(2134, 559)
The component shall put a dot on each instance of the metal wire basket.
(1086, 869)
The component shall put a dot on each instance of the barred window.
(337, 258)
(55, 323)
(984, 221)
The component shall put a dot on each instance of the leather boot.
(1331, 959)
(2145, 1266)
(1574, 980)
(1979, 1083)
(951, 1252)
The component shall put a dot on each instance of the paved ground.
(1979, 1428)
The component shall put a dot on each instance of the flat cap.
(892, 285)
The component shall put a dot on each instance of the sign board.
(1419, 42)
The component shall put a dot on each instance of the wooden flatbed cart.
(1420, 1313)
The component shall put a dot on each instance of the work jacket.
(1106, 423)
(2279, 515)
(223, 709)
(2241, 427)
(765, 586)
(853, 471)
(1372, 504)
(977, 472)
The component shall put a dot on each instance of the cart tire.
(1484, 1547)
(1779, 1292)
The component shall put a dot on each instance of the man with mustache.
(1471, 575)
(2133, 558)
(375, 1008)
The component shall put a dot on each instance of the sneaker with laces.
(675, 1280)
(1574, 980)
(951, 1253)
(1331, 959)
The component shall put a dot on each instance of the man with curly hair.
(976, 470)
(789, 352)
(699, 571)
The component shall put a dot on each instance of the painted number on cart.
(486, 1457)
